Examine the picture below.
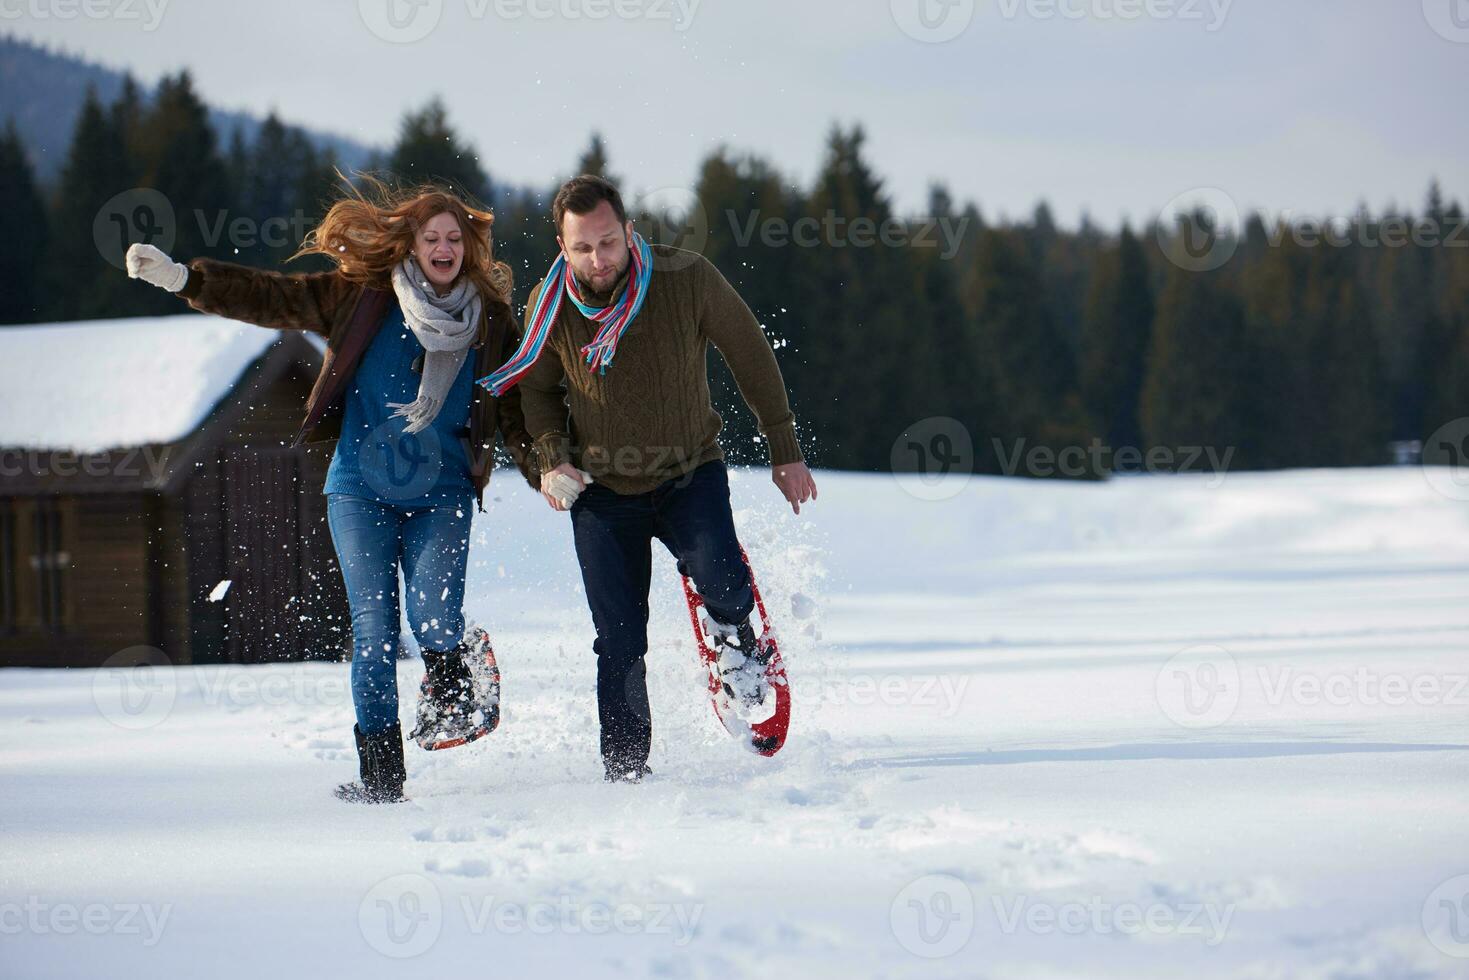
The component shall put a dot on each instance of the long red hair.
(371, 228)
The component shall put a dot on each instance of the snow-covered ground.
(1158, 727)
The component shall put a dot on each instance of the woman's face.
(439, 248)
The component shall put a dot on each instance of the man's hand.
(563, 485)
(795, 483)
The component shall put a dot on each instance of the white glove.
(153, 265)
(564, 487)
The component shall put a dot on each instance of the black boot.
(380, 761)
(446, 696)
(626, 722)
(626, 773)
(742, 663)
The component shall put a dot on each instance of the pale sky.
(1306, 105)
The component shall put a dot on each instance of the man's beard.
(592, 296)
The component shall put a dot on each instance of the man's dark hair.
(581, 195)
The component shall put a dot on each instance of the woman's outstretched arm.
(310, 301)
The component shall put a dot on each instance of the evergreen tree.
(1434, 210)
(862, 351)
(1448, 396)
(1062, 262)
(1196, 387)
(1275, 343)
(740, 201)
(525, 237)
(1114, 344)
(317, 186)
(1026, 362)
(745, 203)
(280, 187)
(1344, 366)
(23, 228)
(1411, 334)
(430, 151)
(1041, 234)
(952, 344)
(964, 259)
(1319, 397)
(127, 118)
(81, 282)
(237, 165)
(1434, 261)
(594, 159)
(183, 163)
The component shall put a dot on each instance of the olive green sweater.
(649, 418)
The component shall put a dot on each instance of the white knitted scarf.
(446, 326)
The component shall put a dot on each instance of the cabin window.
(8, 569)
(50, 562)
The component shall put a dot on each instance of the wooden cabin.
(145, 462)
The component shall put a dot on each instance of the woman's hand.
(154, 266)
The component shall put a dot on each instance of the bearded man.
(615, 389)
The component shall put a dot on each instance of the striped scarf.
(613, 320)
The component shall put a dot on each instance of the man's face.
(595, 244)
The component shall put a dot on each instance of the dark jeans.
(614, 534)
(373, 538)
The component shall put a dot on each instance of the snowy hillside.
(1158, 727)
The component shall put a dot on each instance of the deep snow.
(1157, 727)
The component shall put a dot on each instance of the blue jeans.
(613, 535)
(373, 538)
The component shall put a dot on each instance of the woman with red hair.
(415, 292)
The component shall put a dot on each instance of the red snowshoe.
(764, 731)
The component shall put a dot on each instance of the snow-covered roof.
(95, 385)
